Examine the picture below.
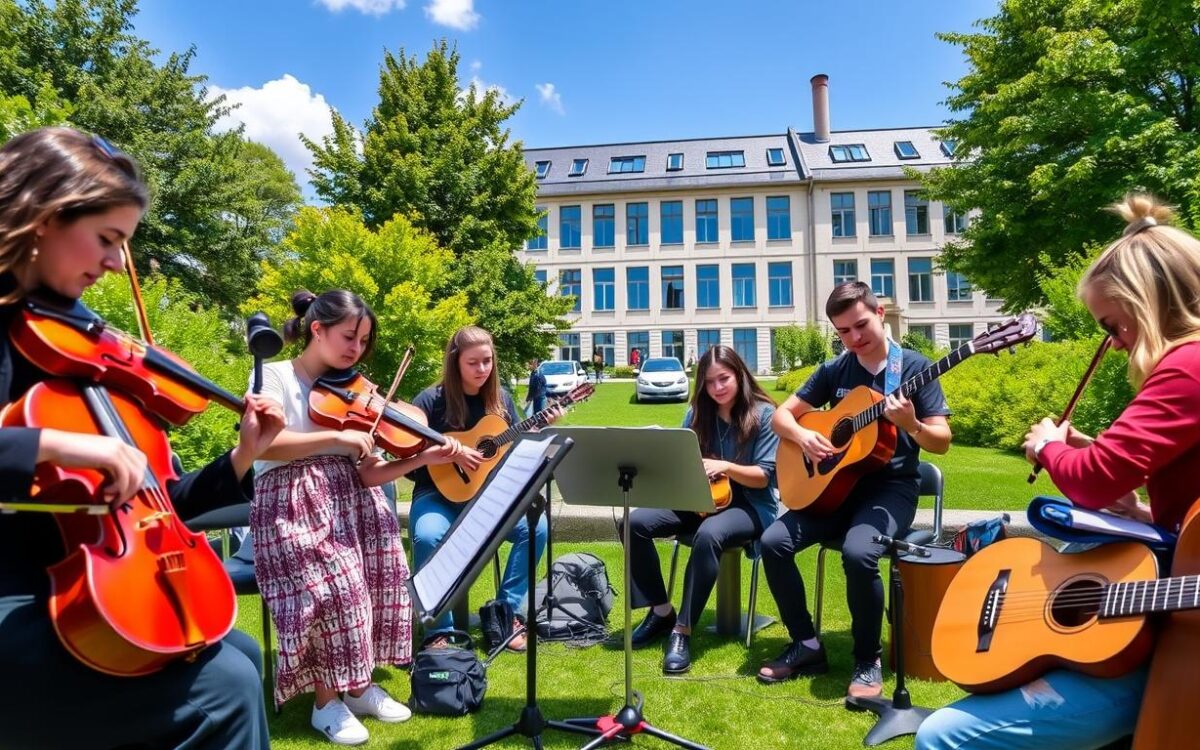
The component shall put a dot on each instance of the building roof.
(884, 163)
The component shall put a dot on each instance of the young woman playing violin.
(1142, 290)
(470, 388)
(328, 554)
(731, 416)
(68, 201)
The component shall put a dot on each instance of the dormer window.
(578, 167)
(627, 164)
(543, 169)
(775, 157)
(725, 159)
(906, 150)
(949, 147)
(851, 152)
(674, 162)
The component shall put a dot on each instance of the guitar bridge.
(989, 613)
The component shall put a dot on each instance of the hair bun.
(1142, 211)
(301, 301)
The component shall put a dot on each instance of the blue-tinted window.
(725, 159)
(955, 222)
(672, 345)
(570, 225)
(779, 217)
(604, 295)
(925, 331)
(672, 287)
(842, 214)
(906, 150)
(883, 277)
(639, 340)
(708, 287)
(879, 205)
(539, 275)
(538, 242)
(674, 162)
(637, 223)
(568, 347)
(603, 343)
(920, 280)
(543, 169)
(672, 222)
(916, 213)
(604, 223)
(627, 164)
(958, 289)
(961, 333)
(706, 220)
(578, 167)
(851, 152)
(745, 343)
(743, 285)
(779, 278)
(741, 219)
(775, 157)
(637, 288)
(707, 338)
(845, 270)
(570, 284)
(949, 147)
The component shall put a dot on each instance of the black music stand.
(510, 493)
(670, 474)
(897, 716)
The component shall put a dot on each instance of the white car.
(661, 378)
(561, 376)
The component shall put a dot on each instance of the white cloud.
(370, 7)
(275, 114)
(457, 14)
(481, 86)
(551, 97)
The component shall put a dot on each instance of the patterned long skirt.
(330, 564)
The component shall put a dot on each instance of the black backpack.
(582, 600)
(447, 681)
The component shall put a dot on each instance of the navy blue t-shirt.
(830, 383)
(432, 401)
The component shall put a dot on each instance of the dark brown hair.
(328, 309)
(845, 295)
(744, 413)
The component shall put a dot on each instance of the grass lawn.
(718, 704)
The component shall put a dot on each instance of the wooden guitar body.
(821, 488)
(460, 486)
(1018, 609)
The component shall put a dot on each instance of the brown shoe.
(518, 641)
(867, 681)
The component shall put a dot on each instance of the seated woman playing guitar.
(882, 502)
(731, 416)
(68, 202)
(470, 389)
(1142, 292)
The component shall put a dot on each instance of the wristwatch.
(1037, 447)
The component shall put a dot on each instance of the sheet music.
(479, 523)
(1107, 523)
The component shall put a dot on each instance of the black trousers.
(874, 507)
(48, 699)
(733, 527)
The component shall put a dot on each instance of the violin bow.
(138, 305)
(1067, 412)
(404, 363)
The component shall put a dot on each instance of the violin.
(346, 400)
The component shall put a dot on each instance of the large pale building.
(673, 246)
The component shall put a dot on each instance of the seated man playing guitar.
(882, 502)
(1142, 293)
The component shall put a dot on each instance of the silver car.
(661, 378)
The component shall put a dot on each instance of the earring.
(33, 255)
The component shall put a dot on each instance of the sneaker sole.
(811, 671)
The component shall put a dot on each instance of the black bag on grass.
(447, 681)
(582, 600)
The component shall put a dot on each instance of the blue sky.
(588, 71)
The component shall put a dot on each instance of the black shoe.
(797, 659)
(652, 628)
(677, 660)
(867, 680)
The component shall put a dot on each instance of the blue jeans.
(430, 519)
(1064, 710)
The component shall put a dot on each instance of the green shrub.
(620, 371)
(918, 343)
(793, 379)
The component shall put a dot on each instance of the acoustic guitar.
(1018, 609)
(492, 436)
(863, 441)
(722, 494)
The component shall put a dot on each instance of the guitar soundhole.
(487, 447)
(1077, 603)
(841, 433)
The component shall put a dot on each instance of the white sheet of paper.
(1107, 523)
(480, 523)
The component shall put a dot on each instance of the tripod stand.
(898, 716)
(532, 723)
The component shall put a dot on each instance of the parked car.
(661, 378)
(561, 376)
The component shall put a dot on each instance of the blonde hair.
(62, 173)
(456, 402)
(1153, 272)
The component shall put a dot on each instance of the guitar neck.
(541, 419)
(1145, 597)
(914, 384)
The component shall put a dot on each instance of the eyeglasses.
(118, 157)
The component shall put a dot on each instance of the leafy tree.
(917, 341)
(441, 157)
(1066, 318)
(211, 220)
(804, 344)
(394, 269)
(1067, 105)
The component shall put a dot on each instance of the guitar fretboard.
(1159, 595)
(912, 385)
(539, 420)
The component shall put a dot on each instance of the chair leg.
(674, 567)
(751, 609)
(820, 593)
(268, 657)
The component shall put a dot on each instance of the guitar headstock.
(1007, 333)
(581, 392)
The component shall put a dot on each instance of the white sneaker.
(337, 723)
(375, 702)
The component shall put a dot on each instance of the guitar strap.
(895, 365)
